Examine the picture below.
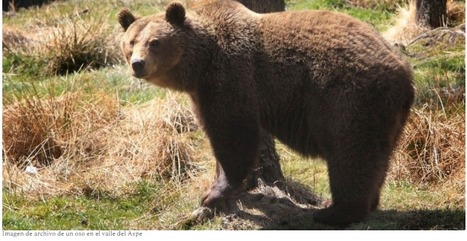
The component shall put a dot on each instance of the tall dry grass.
(77, 45)
(406, 27)
(66, 45)
(432, 148)
(95, 145)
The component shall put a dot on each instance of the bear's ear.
(175, 13)
(126, 18)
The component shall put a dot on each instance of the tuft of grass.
(159, 130)
(76, 45)
(429, 151)
(92, 145)
(30, 127)
(69, 46)
(406, 28)
(456, 12)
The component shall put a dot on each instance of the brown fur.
(323, 83)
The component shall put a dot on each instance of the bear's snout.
(138, 67)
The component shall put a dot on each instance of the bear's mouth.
(139, 75)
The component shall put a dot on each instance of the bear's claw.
(219, 201)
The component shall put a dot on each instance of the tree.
(431, 13)
(262, 6)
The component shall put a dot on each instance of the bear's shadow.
(260, 210)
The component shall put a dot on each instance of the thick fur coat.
(323, 83)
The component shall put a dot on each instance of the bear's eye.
(154, 42)
(132, 43)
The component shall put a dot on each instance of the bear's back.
(232, 25)
(310, 36)
(316, 37)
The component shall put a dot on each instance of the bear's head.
(153, 45)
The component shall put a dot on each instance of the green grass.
(378, 17)
(425, 207)
(439, 71)
(153, 207)
(71, 212)
(114, 80)
(28, 66)
(59, 10)
(95, 211)
(310, 172)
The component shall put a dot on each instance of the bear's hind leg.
(381, 177)
(355, 179)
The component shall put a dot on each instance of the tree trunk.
(431, 13)
(15, 4)
(267, 169)
(264, 6)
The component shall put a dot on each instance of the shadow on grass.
(272, 213)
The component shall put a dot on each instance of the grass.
(66, 47)
(114, 80)
(379, 15)
(116, 153)
(75, 212)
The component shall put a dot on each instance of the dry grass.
(406, 28)
(95, 145)
(66, 45)
(431, 149)
(77, 45)
(50, 134)
(456, 12)
(13, 38)
(36, 131)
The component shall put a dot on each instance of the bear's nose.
(138, 66)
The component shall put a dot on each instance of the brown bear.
(323, 83)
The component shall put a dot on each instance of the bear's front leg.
(235, 144)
